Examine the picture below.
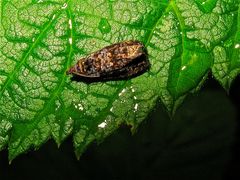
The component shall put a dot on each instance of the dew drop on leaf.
(102, 125)
(79, 107)
(111, 109)
(122, 92)
(135, 107)
(70, 23)
(237, 46)
(183, 68)
(70, 40)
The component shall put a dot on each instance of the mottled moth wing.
(117, 61)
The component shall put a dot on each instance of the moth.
(118, 61)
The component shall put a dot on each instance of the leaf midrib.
(182, 27)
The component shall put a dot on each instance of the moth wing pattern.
(120, 60)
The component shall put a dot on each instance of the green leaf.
(40, 40)
(227, 55)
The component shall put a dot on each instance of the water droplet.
(111, 109)
(39, 1)
(103, 124)
(134, 97)
(65, 5)
(184, 67)
(79, 107)
(132, 89)
(136, 107)
(53, 17)
(237, 46)
(70, 40)
(121, 93)
(70, 23)
(75, 106)
(203, 3)
(104, 26)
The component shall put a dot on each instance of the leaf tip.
(78, 155)
(133, 129)
(10, 159)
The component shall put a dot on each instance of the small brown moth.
(117, 61)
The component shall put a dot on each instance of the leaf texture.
(40, 40)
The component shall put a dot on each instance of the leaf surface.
(40, 40)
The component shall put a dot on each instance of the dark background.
(200, 142)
